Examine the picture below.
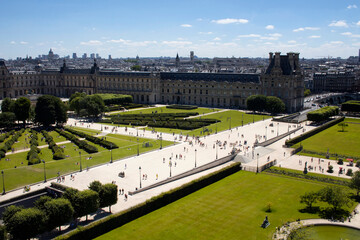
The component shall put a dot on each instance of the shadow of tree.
(335, 214)
(313, 210)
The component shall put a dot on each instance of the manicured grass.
(200, 110)
(18, 173)
(343, 143)
(233, 208)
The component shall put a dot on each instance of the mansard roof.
(121, 73)
(284, 65)
(218, 77)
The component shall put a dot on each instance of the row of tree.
(261, 103)
(86, 105)
(50, 213)
(48, 110)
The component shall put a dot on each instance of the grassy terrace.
(18, 173)
(342, 143)
(238, 118)
(232, 208)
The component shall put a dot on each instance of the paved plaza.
(151, 167)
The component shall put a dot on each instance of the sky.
(226, 28)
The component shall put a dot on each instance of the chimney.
(296, 62)
(271, 56)
(277, 59)
(291, 60)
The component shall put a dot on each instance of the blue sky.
(226, 28)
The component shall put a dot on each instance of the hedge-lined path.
(201, 115)
(42, 146)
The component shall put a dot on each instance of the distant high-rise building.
(109, 57)
(177, 60)
(74, 56)
(92, 55)
(192, 56)
(359, 55)
(84, 56)
(51, 54)
(97, 55)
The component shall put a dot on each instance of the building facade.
(283, 78)
(337, 81)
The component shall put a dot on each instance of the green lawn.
(18, 173)
(344, 143)
(200, 110)
(233, 208)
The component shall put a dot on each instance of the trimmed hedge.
(8, 144)
(6, 135)
(162, 120)
(102, 142)
(115, 98)
(323, 114)
(80, 143)
(320, 178)
(351, 106)
(111, 222)
(33, 154)
(310, 133)
(185, 107)
(58, 152)
(126, 106)
(325, 154)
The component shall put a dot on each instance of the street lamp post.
(278, 129)
(138, 146)
(230, 124)
(140, 175)
(195, 157)
(257, 163)
(137, 130)
(44, 171)
(160, 140)
(111, 159)
(170, 164)
(3, 178)
(242, 120)
(265, 133)
(253, 116)
(80, 162)
(216, 127)
(216, 150)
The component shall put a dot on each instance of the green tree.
(274, 105)
(256, 103)
(307, 92)
(355, 182)
(136, 68)
(334, 196)
(7, 119)
(77, 94)
(309, 198)
(108, 195)
(75, 104)
(50, 110)
(93, 104)
(86, 202)
(95, 186)
(22, 109)
(10, 212)
(40, 203)
(7, 105)
(59, 211)
(26, 223)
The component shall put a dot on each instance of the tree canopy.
(59, 211)
(256, 103)
(274, 105)
(7, 105)
(50, 110)
(22, 108)
(355, 182)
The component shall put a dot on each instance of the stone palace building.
(283, 78)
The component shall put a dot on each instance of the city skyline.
(316, 29)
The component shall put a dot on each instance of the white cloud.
(206, 33)
(217, 39)
(230, 20)
(315, 36)
(346, 33)
(249, 36)
(292, 41)
(351, 6)
(118, 41)
(23, 43)
(275, 35)
(131, 43)
(358, 23)
(356, 44)
(272, 36)
(12, 42)
(340, 23)
(186, 25)
(270, 27)
(336, 42)
(176, 43)
(91, 43)
(306, 28)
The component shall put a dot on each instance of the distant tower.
(74, 56)
(109, 57)
(191, 56)
(177, 61)
(51, 54)
(359, 55)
